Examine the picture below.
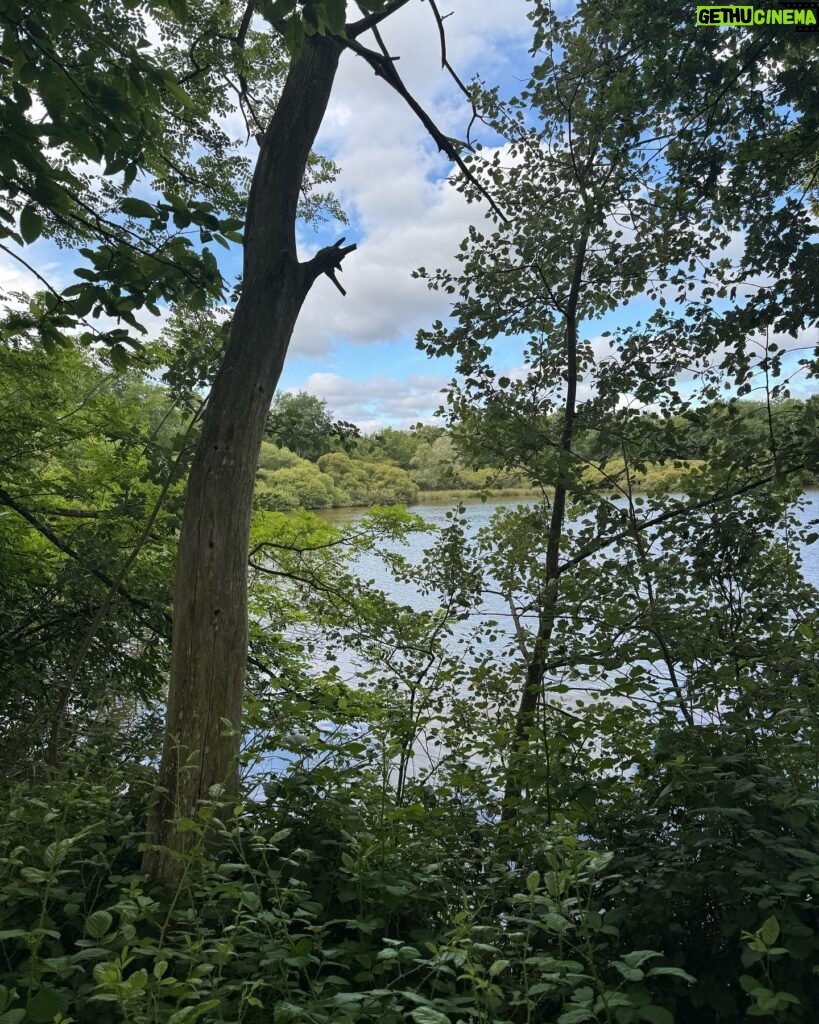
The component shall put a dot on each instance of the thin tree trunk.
(526, 716)
(210, 630)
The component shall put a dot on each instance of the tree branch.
(674, 513)
(357, 28)
(328, 261)
(456, 78)
(244, 25)
(72, 513)
(46, 531)
(383, 64)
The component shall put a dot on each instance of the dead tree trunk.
(210, 631)
(204, 719)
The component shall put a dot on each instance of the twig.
(456, 78)
(328, 261)
(358, 28)
(383, 64)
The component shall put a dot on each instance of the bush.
(272, 457)
(369, 483)
(717, 868)
(656, 478)
(302, 486)
(361, 923)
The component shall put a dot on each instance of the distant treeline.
(309, 460)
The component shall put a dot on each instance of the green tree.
(595, 218)
(115, 117)
(368, 483)
(302, 423)
(210, 596)
(299, 486)
(89, 459)
(142, 116)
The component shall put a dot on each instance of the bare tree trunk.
(210, 631)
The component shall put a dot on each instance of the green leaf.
(189, 1014)
(179, 94)
(672, 972)
(749, 983)
(294, 36)
(769, 932)
(56, 852)
(31, 224)
(639, 956)
(275, 10)
(179, 8)
(426, 1015)
(533, 881)
(15, 1016)
(655, 1015)
(575, 1016)
(98, 924)
(34, 875)
(120, 357)
(629, 973)
(137, 208)
(45, 1005)
(335, 15)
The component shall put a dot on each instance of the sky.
(358, 352)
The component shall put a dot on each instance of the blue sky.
(358, 352)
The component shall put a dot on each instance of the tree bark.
(210, 630)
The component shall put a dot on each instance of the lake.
(479, 515)
(371, 567)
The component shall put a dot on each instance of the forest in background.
(309, 460)
(579, 781)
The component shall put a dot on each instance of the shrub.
(369, 483)
(302, 486)
(361, 923)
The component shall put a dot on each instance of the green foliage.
(642, 846)
(126, 161)
(113, 116)
(315, 903)
(301, 486)
(303, 424)
(718, 866)
(371, 483)
(88, 456)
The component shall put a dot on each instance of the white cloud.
(391, 176)
(14, 277)
(380, 400)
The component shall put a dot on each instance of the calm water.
(479, 515)
(371, 567)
